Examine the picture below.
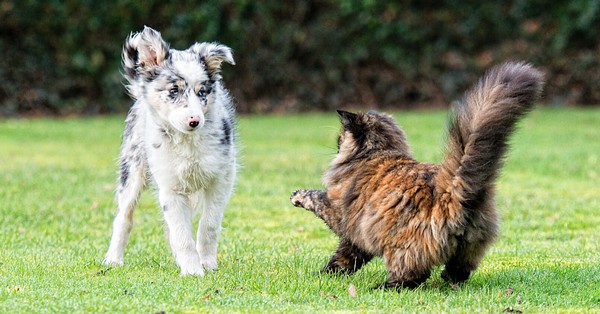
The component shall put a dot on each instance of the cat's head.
(364, 134)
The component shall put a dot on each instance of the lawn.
(56, 207)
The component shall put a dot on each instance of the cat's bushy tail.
(479, 131)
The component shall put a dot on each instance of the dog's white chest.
(195, 173)
(184, 164)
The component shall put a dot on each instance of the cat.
(382, 202)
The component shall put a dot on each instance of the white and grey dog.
(180, 132)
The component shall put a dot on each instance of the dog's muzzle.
(193, 122)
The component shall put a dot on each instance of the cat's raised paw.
(296, 198)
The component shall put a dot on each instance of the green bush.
(64, 56)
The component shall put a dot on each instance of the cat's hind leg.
(348, 258)
(405, 270)
(457, 270)
(472, 245)
(411, 282)
(464, 261)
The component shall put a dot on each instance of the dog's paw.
(192, 271)
(296, 198)
(190, 264)
(112, 261)
(209, 262)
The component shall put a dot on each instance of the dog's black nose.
(193, 122)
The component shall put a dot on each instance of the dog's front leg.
(209, 228)
(178, 216)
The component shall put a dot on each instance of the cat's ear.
(346, 117)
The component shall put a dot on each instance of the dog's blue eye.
(205, 89)
(173, 92)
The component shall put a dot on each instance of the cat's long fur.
(381, 202)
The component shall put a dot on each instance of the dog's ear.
(213, 55)
(144, 51)
(152, 49)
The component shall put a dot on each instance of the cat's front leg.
(348, 258)
(317, 202)
(309, 199)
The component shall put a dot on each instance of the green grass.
(56, 208)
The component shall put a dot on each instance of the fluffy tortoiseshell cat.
(382, 202)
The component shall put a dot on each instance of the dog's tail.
(479, 131)
(142, 53)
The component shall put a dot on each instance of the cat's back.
(384, 198)
(382, 183)
(401, 185)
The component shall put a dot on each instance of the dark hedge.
(61, 57)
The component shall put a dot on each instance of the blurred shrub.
(63, 56)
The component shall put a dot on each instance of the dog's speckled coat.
(181, 133)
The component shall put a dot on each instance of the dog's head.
(178, 85)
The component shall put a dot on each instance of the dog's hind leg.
(209, 228)
(132, 182)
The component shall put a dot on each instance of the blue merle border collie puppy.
(179, 132)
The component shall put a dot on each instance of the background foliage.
(63, 56)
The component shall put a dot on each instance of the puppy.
(181, 133)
